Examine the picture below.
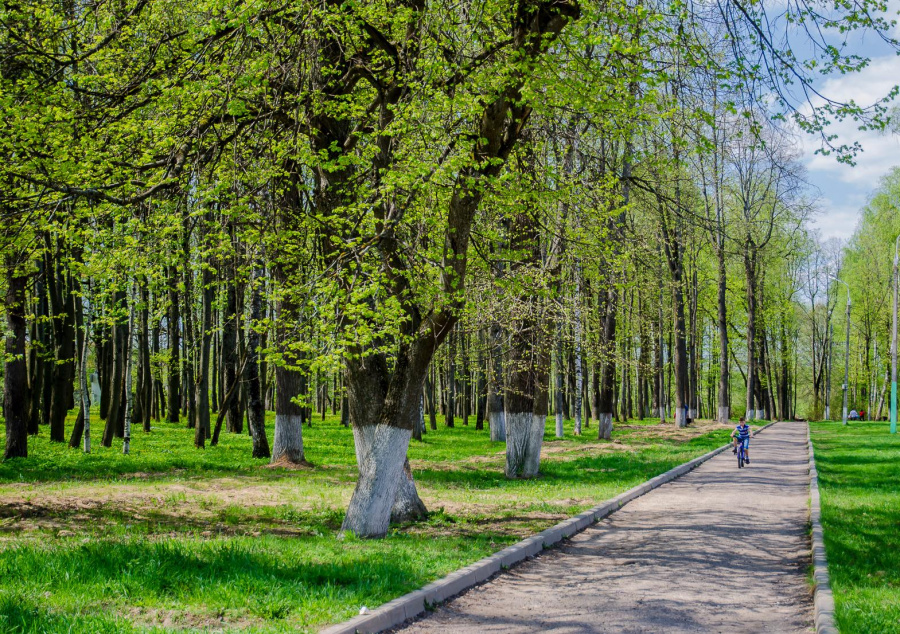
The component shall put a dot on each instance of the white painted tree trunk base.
(680, 420)
(604, 426)
(381, 456)
(724, 415)
(288, 443)
(497, 423)
(524, 438)
(560, 432)
(408, 506)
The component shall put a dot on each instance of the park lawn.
(171, 537)
(859, 472)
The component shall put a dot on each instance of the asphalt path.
(717, 550)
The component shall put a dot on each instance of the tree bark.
(63, 320)
(495, 406)
(256, 415)
(202, 430)
(15, 375)
(173, 324)
(235, 416)
(290, 382)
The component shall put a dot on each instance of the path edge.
(413, 604)
(823, 599)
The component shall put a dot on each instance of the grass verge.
(859, 469)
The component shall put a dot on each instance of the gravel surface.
(717, 550)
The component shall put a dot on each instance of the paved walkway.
(717, 550)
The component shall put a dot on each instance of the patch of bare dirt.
(290, 465)
(180, 620)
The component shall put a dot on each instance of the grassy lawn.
(859, 473)
(172, 537)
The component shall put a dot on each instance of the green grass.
(859, 474)
(171, 537)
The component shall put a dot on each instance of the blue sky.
(844, 189)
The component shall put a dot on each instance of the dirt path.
(718, 550)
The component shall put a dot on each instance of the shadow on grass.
(310, 580)
(25, 614)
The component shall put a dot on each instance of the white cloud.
(838, 220)
(846, 188)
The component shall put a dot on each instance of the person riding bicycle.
(742, 433)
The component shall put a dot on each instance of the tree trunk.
(173, 325)
(750, 273)
(607, 401)
(234, 414)
(62, 304)
(202, 431)
(290, 383)
(451, 381)
(495, 407)
(256, 414)
(129, 403)
(558, 393)
(117, 355)
(15, 375)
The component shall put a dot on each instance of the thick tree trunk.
(525, 396)
(290, 383)
(15, 375)
(62, 303)
(381, 458)
(375, 445)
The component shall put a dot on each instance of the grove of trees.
(496, 211)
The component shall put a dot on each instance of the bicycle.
(741, 454)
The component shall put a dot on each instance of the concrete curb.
(415, 603)
(823, 599)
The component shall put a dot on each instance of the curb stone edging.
(411, 605)
(823, 599)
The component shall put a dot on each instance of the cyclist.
(742, 433)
